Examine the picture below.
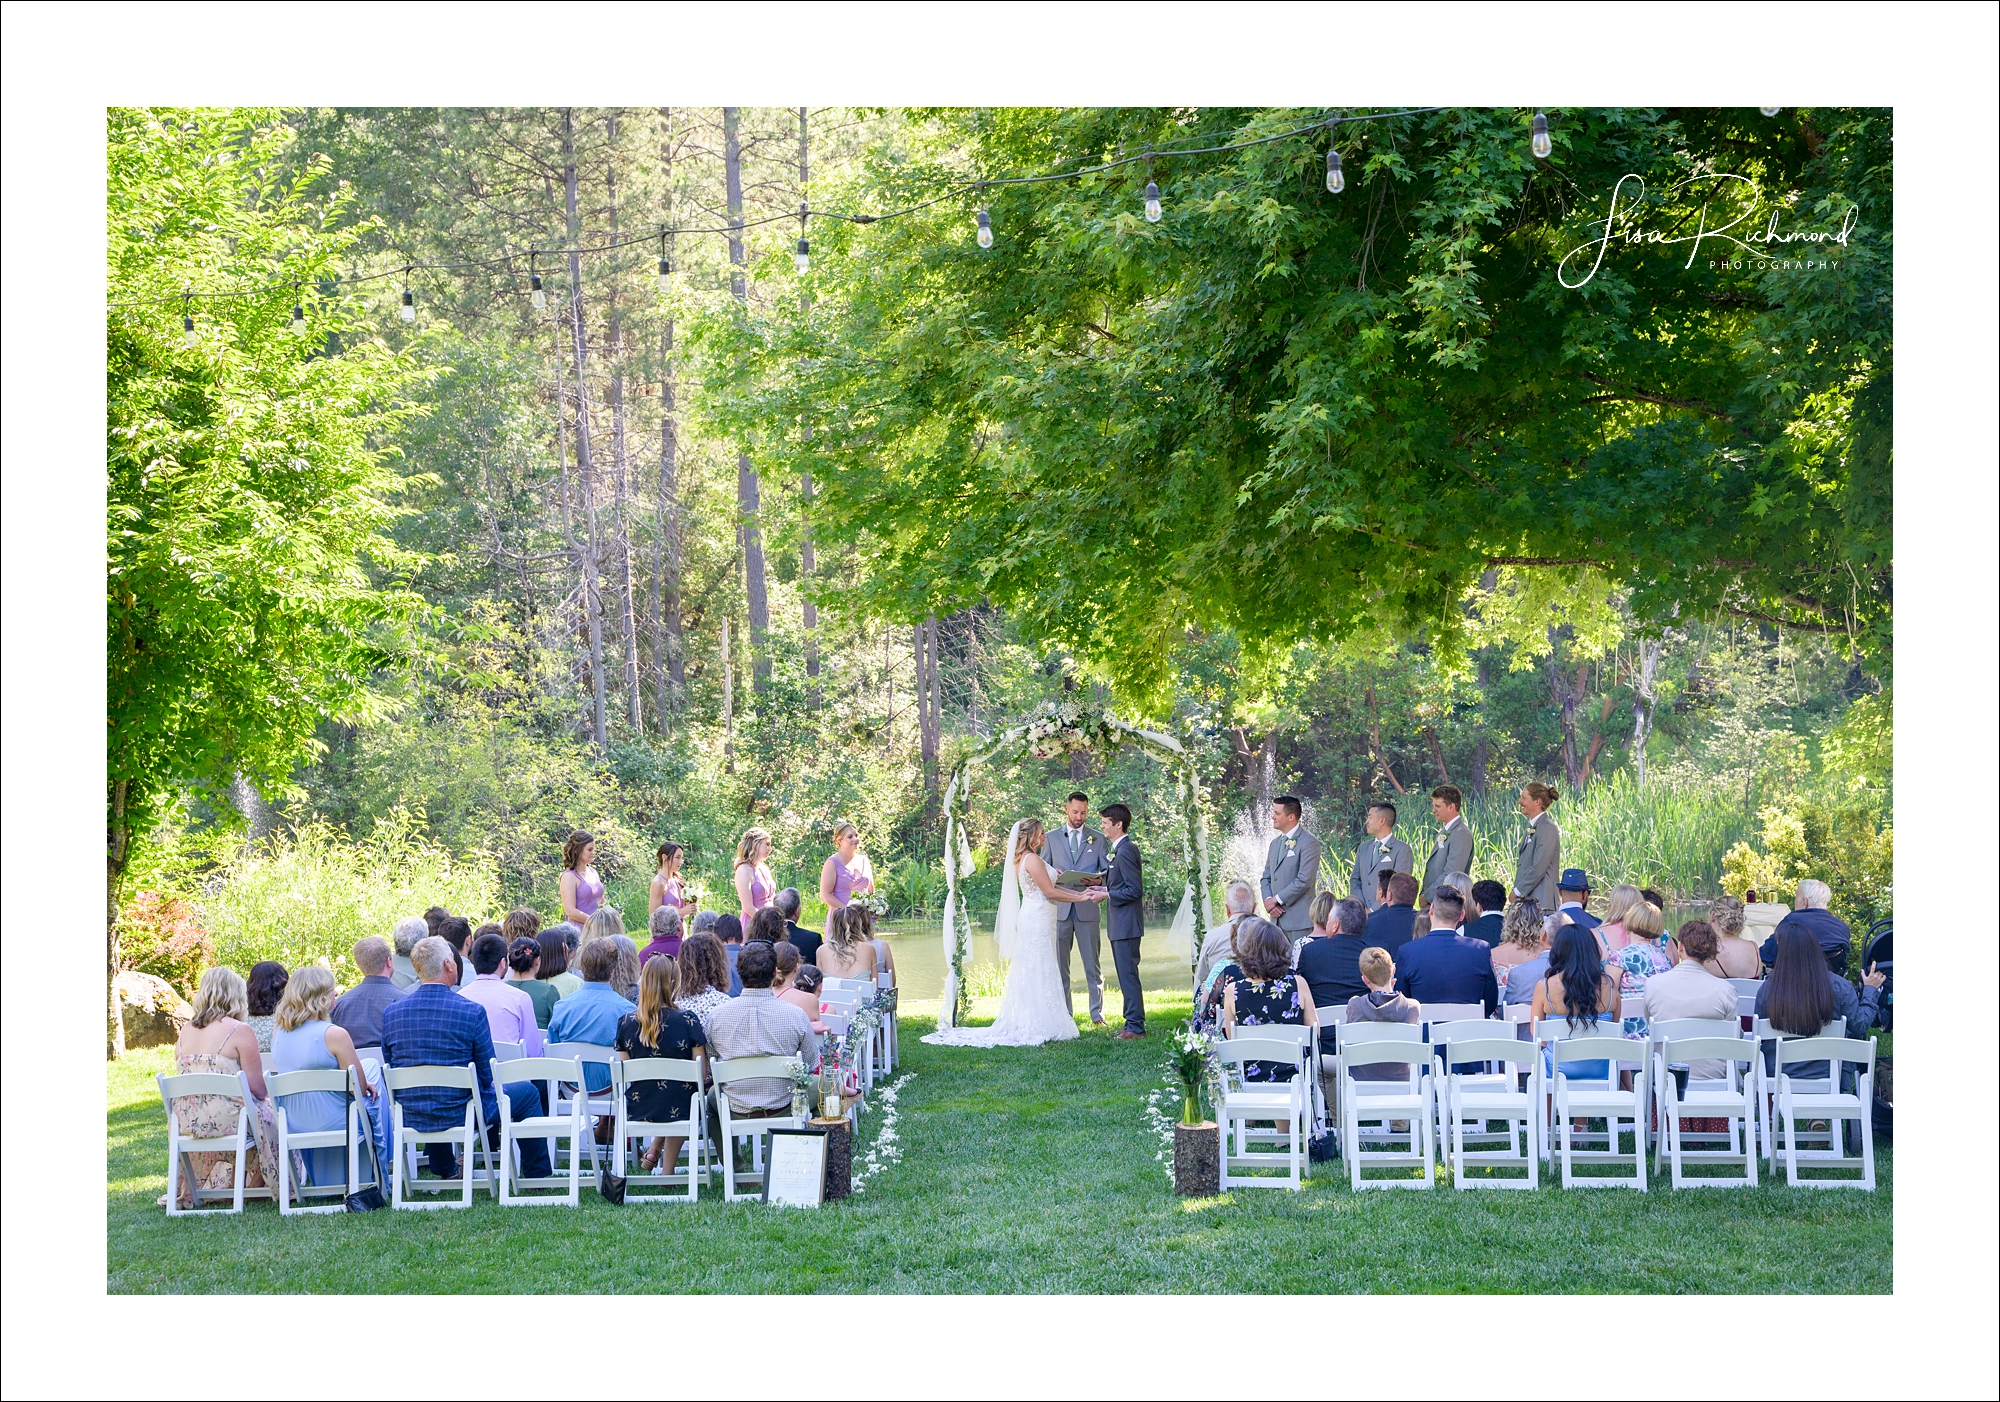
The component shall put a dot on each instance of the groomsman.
(1540, 857)
(1072, 847)
(1452, 851)
(1381, 851)
(1291, 870)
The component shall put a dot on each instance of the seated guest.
(705, 922)
(847, 951)
(1486, 913)
(1394, 923)
(1802, 995)
(456, 931)
(1735, 955)
(560, 943)
(1319, 913)
(1611, 934)
(434, 1026)
(266, 985)
(305, 1039)
(1444, 966)
(1381, 1003)
(1523, 953)
(1643, 956)
(1654, 899)
(1688, 989)
(759, 1024)
(510, 1013)
(1579, 988)
(1573, 897)
(406, 935)
(1238, 900)
(657, 1029)
(434, 919)
(625, 976)
(789, 905)
(701, 975)
(667, 931)
(591, 1013)
(1331, 967)
(885, 957)
(606, 922)
(766, 925)
(524, 968)
(798, 983)
(218, 1040)
(1264, 992)
(1809, 913)
(358, 1011)
(729, 929)
(520, 924)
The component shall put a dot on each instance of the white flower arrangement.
(887, 1150)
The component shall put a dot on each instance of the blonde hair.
(1645, 919)
(606, 922)
(845, 929)
(1377, 968)
(841, 830)
(658, 982)
(222, 994)
(1620, 903)
(308, 997)
(1725, 916)
(1033, 835)
(1523, 926)
(746, 846)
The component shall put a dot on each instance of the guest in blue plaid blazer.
(432, 1025)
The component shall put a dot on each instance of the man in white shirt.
(1071, 848)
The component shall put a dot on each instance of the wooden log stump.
(839, 1156)
(1197, 1160)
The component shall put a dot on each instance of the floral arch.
(1062, 729)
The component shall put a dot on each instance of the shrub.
(1836, 838)
(912, 887)
(162, 935)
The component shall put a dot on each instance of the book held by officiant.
(1080, 878)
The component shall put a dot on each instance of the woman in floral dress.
(219, 1039)
(1265, 992)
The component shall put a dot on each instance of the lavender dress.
(589, 893)
(845, 881)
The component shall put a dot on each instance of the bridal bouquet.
(871, 902)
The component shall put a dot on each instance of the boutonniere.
(1291, 843)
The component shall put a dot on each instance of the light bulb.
(298, 321)
(1336, 180)
(1152, 203)
(187, 330)
(1770, 111)
(535, 293)
(804, 256)
(985, 229)
(1539, 143)
(409, 306)
(666, 272)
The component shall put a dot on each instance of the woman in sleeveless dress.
(848, 872)
(307, 1040)
(218, 1039)
(754, 883)
(582, 888)
(668, 888)
(1034, 1008)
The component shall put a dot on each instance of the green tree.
(247, 490)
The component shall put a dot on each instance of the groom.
(1072, 848)
(1125, 889)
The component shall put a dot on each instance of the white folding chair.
(1346, 1032)
(1761, 1031)
(565, 1120)
(368, 1054)
(1733, 1097)
(1682, 1028)
(1746, 985)
(236, 1088)
(1245, 1101)
(509, 1051)
(597, 1104)
(1601, 1099)
(1430, 1013)
(1382, 1103)
(469, 1137)
(1471, 1100)
(1441, 1035)
(689, 1130)
(1545, 1033)
(349, 1137)
(1799, 1100)
(727, 1073)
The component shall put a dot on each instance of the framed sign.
(795, 1169)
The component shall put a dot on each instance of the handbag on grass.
(610, 1187)
(369, 1199)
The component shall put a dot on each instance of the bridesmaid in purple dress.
(582, 890)
(847, 872)
(754, 883)
(668, 888)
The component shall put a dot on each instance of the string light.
(1539, 142)
(1335, 180)
(188, 338)
(409, 300)
(298, 320)
(803, 257)
(666, 268)
(985, 228)
(1770, 111)
(535, 293)
(1152, 203)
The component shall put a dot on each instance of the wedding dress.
(1034, 1007)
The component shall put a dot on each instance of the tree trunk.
(930, 708)
(1566, 692)
(1596, 741)
(1267, 779)
(1437, 753)
(809, 611)
(117, 848)
(592, 605)
(728, 704)
(1375, 744)
(669, 647)
(623, 544)
(1643, 701)
(748, 493)
(1478, 779)
(562, 488)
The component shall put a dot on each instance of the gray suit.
(1081, 851)
(1125, 885)
(1389, 854)
(1540, 863)
(1452, 852)
(1291, 877)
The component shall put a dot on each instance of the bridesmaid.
(668, 888)
(582, 891)
(848, 872)
(754, 883)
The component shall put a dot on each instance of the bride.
(1035, 1007)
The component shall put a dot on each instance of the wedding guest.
(1238, 900)
(1540, 856)
(1393, 924)
(1380, 1003)
(1612, 933)
(792, 981)
(1266, 993)
(754, 883)
(1688, 989)
(456, 931)
(521, 924)
(1486, 913)
(1381, 852)
(524, 969)
(768, 926)
(305, 1039)
(1654, 899)
(1643, 957)
(1578, 988)
(847, 873)
(1573, 897)
(1443, 966)
(1735, 956)
(705, 922)
(789, 903)
(266, 985)
(434, 918)
(581, 887)
(591, 1013)
(702, 975)
(1522, 956)
(668, 890)
(406, 934)
(606, 922)
(625, 977)
(1451, 850)
(218, 1039)
(667, 935)
(846, 952)
(510, 1012)
(358, 1011)
(559, 945)
(657, 1029)
(729, 930)
(1331, 967)
(1809, 913)
(1802, 995)
(885, 954)
(758, 1024)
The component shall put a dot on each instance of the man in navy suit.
(1573, 897)
(1487, 917)
(1445, 966)
(1392, 924)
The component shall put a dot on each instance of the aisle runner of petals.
(887, 1150)
(1163, 1108)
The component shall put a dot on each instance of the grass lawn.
(1023, 1170)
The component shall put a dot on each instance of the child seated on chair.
(1381, 1003)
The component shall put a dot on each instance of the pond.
(920, 960)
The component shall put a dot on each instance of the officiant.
(1070, 847)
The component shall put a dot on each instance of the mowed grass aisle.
(1026, 1170)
